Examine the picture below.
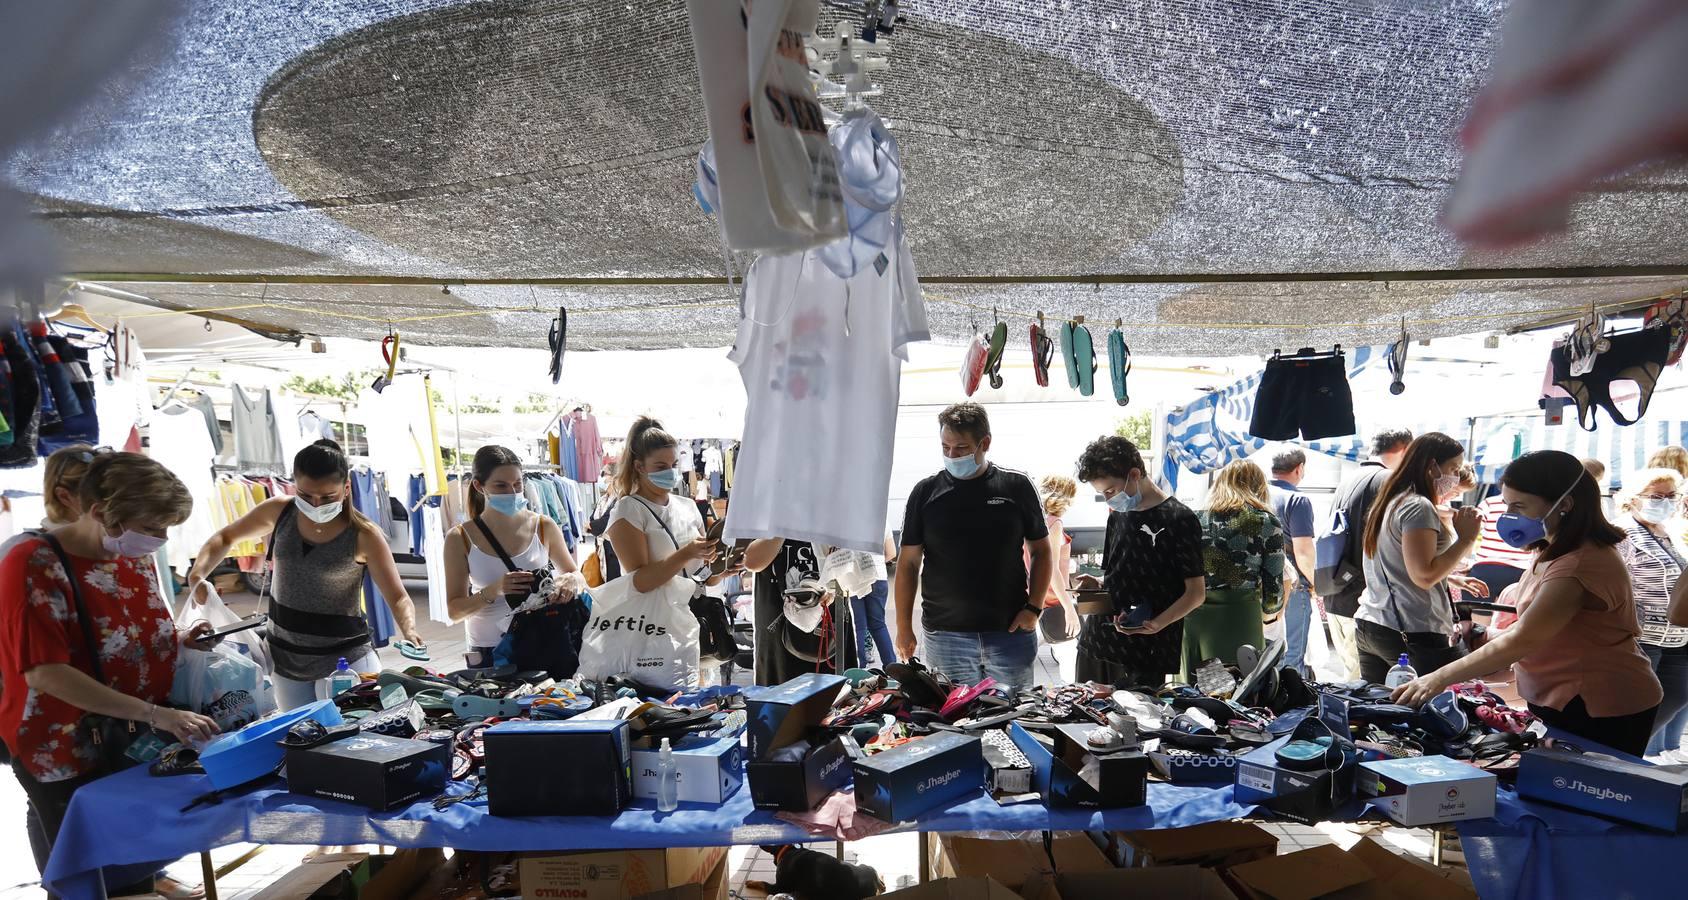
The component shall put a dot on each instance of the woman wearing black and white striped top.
(1655, 562)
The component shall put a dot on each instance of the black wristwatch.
(1034, 610)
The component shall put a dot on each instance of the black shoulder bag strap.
(111, 736)
(82, 619)
(665, 530)
(497, 548)
(266, 597)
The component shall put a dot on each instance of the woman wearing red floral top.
(46, 678)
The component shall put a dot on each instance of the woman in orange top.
(1574, 646)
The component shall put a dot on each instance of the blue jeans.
(1298, 620)
(969, 657)
(867, 617)
(1671, 665)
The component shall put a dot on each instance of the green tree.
(1137, 429)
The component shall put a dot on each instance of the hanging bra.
(1637, 356)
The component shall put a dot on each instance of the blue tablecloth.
(131, 819)
(1541, 852)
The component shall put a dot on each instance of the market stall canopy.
(1225, 178)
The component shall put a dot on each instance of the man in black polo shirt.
(965, 537)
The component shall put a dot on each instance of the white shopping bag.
(222, 684)
(649, 637)
(249, 643)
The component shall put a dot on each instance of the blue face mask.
(962, 467)
(1123, 502)
(508, 504)
(1522, 531)
(667, 479)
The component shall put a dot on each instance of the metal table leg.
(208, 873)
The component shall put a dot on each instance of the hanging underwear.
(1637, 356)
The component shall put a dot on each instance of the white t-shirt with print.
(821, 361)
(680, 515)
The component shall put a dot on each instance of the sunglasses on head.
(87, 456)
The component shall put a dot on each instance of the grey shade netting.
(556, 139)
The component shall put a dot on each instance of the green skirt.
(1228, 619)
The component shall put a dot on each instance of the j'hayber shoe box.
(1304, 795)
(709, 769)
(1426, 790)
(572, 768)
(923, 774)
(371, 770)
(1655, 796)
(794, 763)
(1071, 774)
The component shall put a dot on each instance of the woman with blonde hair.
(1059, 621)
(85, 633)
(1243, 553)
(1655, 560)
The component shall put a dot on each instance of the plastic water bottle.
(342, 680)
(1400, 674)
(667, 780)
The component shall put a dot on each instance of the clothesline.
(934, 296)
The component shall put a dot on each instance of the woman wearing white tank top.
(475, 573)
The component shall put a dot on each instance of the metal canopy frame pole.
(1495, 274)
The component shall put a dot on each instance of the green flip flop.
(1067, 353)
(1084, 358)
(1119, 365)
(993, 359)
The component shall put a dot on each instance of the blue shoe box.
(1066, 778)
(1302, 795)
(1634, 792)
(921, 775)
(710, 769)
(572, 768)
(779, 717)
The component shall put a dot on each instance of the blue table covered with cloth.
(132, 820)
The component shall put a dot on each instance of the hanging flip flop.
(1043, 352)
(993, 359)
(1084, 357)
(1119, 363)
(1067, 354)
(389, 353)
(558, 340)
(1398, 362)
(973, 365)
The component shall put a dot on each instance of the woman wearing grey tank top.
(320, 547)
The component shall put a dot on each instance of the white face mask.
(321, 515)
(132, 544)
(1655, 511)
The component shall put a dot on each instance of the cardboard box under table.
(616, 874)
(786, 716)
(572, 768)
(1212, 844)
(1366, 872)
(1014, 863)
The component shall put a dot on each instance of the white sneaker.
(1666, 758)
